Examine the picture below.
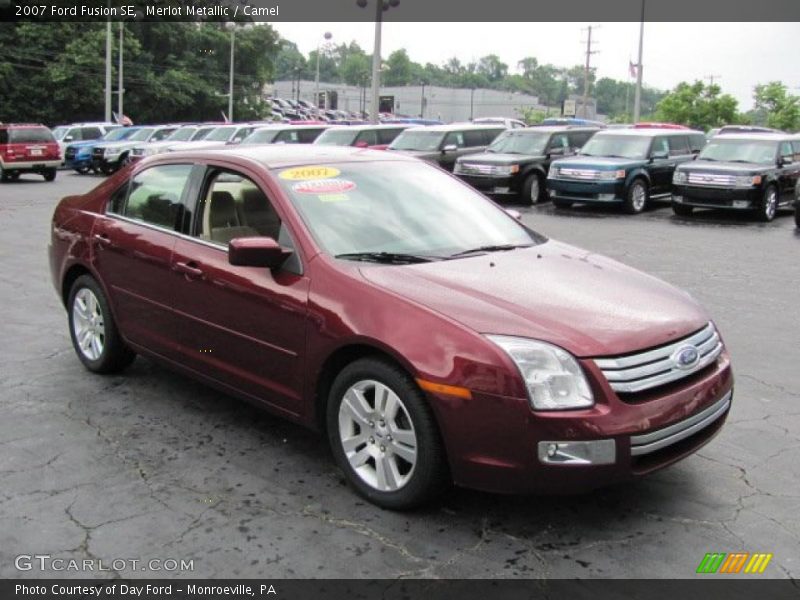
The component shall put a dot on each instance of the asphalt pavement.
(152, 465)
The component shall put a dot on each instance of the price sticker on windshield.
(309, 173)
(324, 187)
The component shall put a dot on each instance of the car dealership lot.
(151, 465)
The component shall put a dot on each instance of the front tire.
(636, 198)
(94, 334)
(384, 436)
(769, 204)
(532, 189)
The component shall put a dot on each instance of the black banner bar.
(406, 11)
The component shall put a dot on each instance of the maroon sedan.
(429, 333)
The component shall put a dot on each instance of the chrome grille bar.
(653, 368)
(587, 174)
(647, 443)
(711, 179)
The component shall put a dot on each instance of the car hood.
(496, 158)
(584, 302)
(598, 162)
(713, 166)
(118, 145)
(419, 153)
(198, 145)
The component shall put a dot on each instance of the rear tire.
(384, 437)
(50, 174)
(94, 333)
(636, 197)
(682, 210)
(532, 189)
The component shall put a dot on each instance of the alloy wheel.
(88, 324)
(377, 435)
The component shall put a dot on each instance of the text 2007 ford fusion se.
(430, 334)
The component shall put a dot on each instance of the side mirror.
(256, 252)
(659, 154)
(556, 151)
(784, 161)
(449, 148)
(514, 213)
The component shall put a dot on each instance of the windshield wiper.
(491, 248)
(387, 257)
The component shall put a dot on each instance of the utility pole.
(587, 71)
(230, 84)
(120, 88)
(637, 97)
(711, 79)
(108, 72)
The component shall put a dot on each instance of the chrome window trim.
(653, 441)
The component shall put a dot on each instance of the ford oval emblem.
(686, 357)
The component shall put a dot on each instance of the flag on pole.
(632, 68)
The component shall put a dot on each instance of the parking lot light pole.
(637, 98)
(328, 35)
(108, 72)
(380, 7)
(120, 88)
(230, 85)
(422, 101)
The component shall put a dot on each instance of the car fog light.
(605, 196)
(741, 204)
(677, 199)
(595, 452)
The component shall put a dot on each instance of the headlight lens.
(612, 175)
(504, 170)
(747, 180)
(553, 173)
(552, 376)
(679, 177)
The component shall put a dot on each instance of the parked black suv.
(443, 144)
(623, 166)
(756, 172)
(517, 161)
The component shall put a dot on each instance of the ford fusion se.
(431, 335)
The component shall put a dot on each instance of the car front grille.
(583, 174)
(659, 366)
(711, 179)
(478, 169)
(97, 153)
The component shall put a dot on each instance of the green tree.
(698, 105)
(782, 109)
(290, 62)
(492, 68)
(356, 69)
(398, 68)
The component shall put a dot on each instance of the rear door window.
(678, 145)
(286, 137)
(474, 138)
(369, 137)
(155, 196)
(307, 136)
(386, 136)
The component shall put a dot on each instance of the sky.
(738, 55)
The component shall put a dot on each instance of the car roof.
(556, 128)
(647, 132)
(454, 127)
(757, 136)
(290, 127)
(20, 125)
(289, 155)
(370, 127)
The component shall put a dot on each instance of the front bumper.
(584, 191)
(499, 444)
(500, 186)
(708, 197)
(78, 162)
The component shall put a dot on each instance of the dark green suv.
(627, 167)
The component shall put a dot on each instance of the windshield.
(118, 134)
(184, 134)
(262, 136)
(750, 151)
(337, 137)
(515, 142)
(397, 207)
(617, 146)
(142, 135)
(221, 134)
(426, 141)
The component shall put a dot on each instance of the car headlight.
(110, 152)
(552, 376)
(612, 175)
(679, 177)
(553, 173)
(506, 170)
(747, 180)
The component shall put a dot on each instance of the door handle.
(189, 268)
(102, 238)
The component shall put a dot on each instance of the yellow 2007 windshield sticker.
(309, 173)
